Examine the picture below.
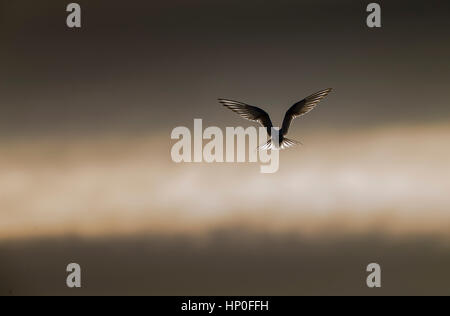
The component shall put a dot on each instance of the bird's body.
(278, 140)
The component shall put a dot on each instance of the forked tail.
(286, 143)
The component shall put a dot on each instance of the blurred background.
(86, 174)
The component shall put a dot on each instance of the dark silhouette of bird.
(256, 114)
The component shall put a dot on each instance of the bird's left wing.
(302, 107)
(249, 112)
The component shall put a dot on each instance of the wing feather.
(249, 112)
(302, 107)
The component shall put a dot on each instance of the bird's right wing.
(302, 107)
(249, 112)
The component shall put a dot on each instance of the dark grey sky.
(158, 64)
(146, 65)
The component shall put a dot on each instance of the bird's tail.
(286, 143)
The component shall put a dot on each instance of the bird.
(255, 114)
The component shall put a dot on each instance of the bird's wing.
(249, 112)
(302, 107)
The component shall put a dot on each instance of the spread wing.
(249, 112)
(302, 107)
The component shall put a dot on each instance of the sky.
(86, 116)
(80, 105)
(150, 66)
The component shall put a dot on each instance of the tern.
(255, 114)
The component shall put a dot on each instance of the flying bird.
(256, 114)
